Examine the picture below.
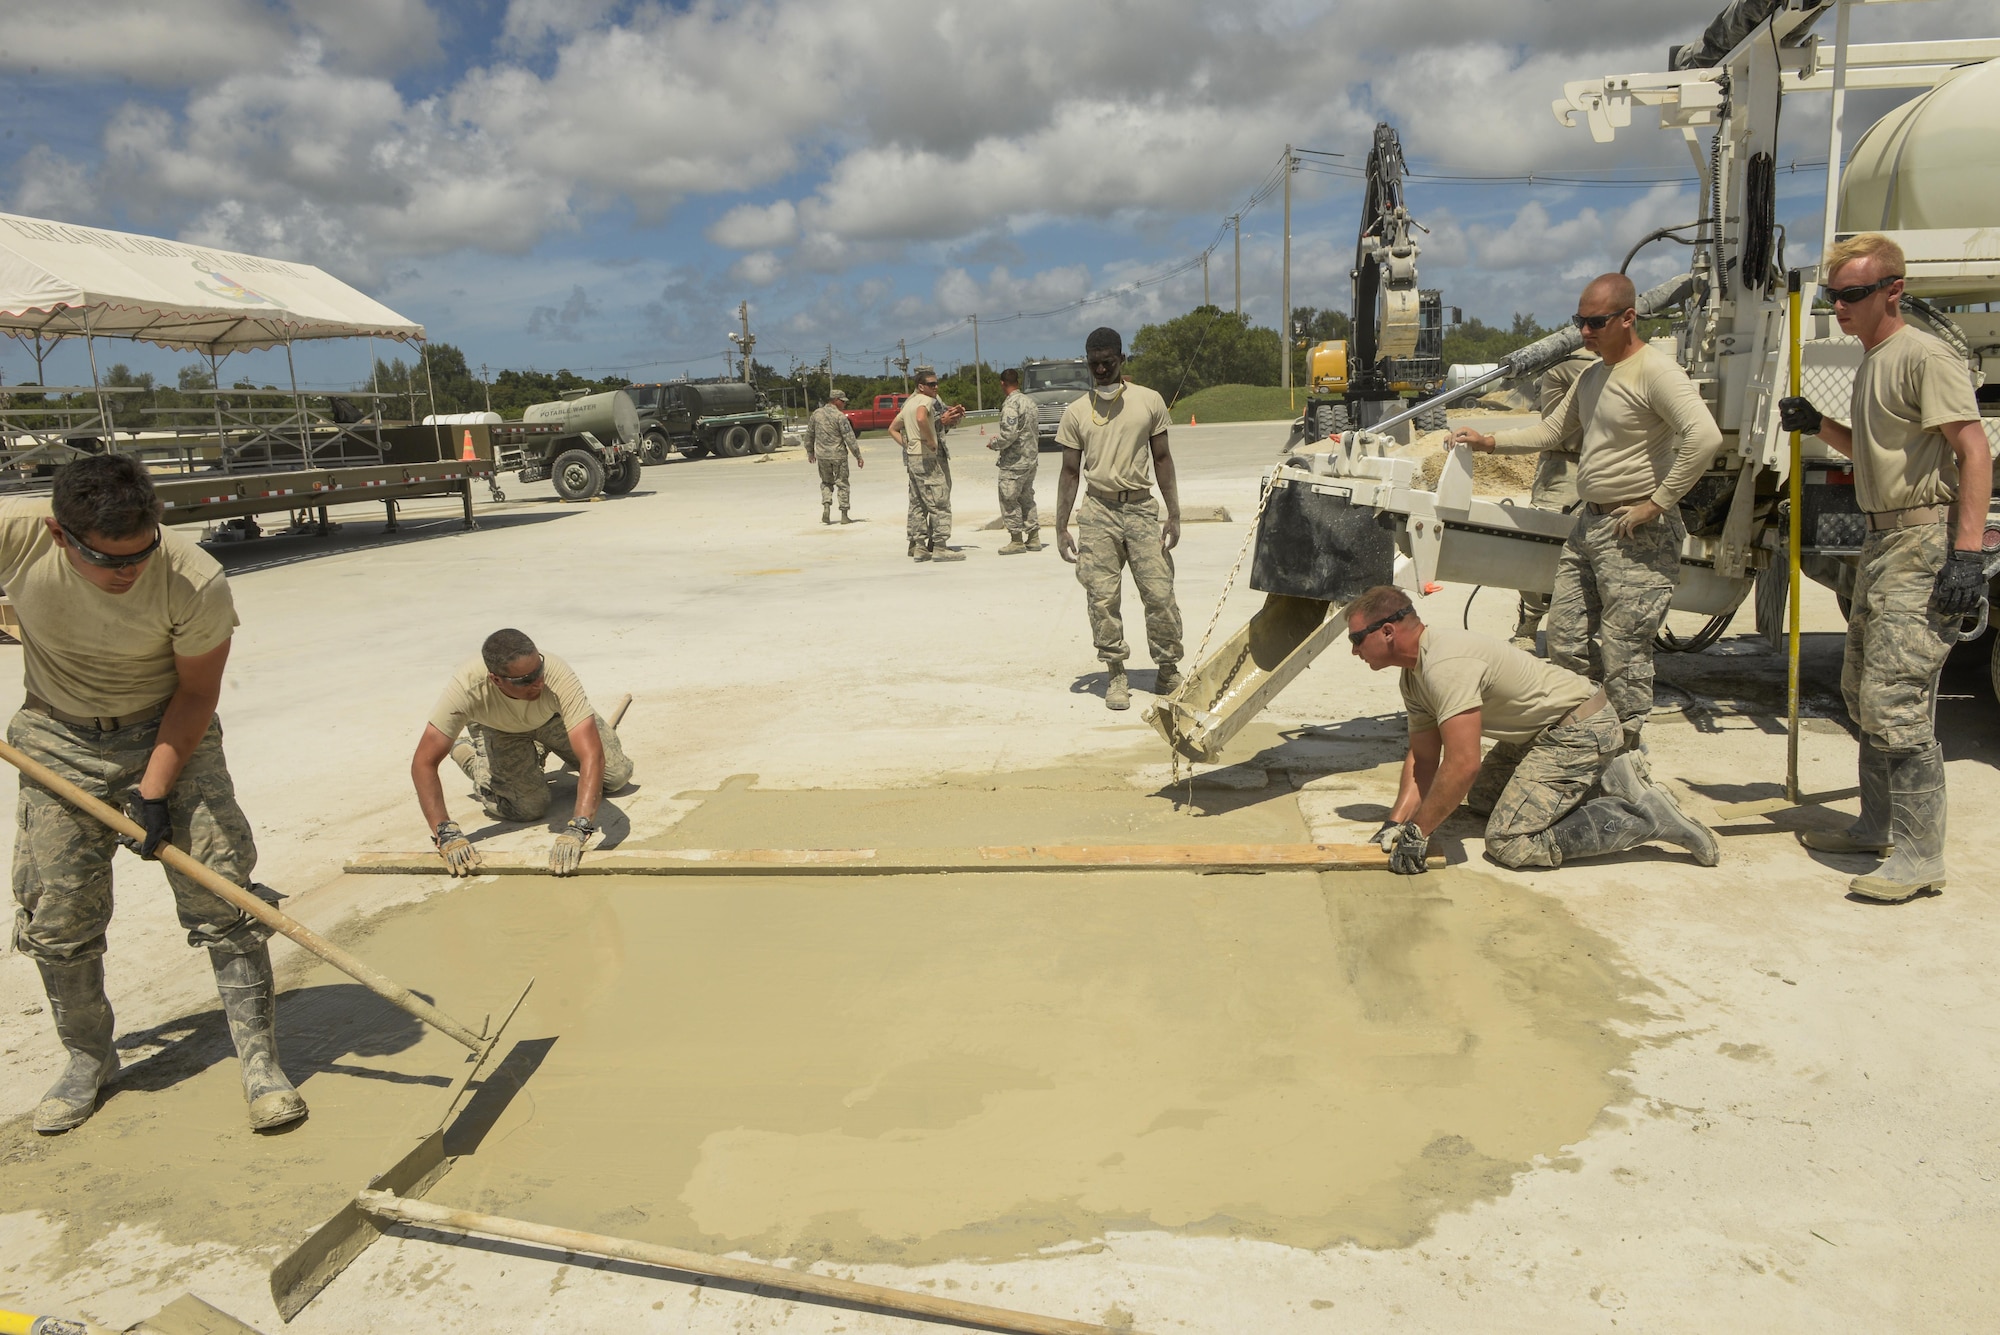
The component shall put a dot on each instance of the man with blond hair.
(1647, 438)
(1556, 743)
(1923, 475)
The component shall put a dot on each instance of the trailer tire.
(578, 475)
(733, 443)
(766, 438)
(623, 476)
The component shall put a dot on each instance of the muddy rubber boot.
(919, 552)
(1600, 826)
(946, 554)
(1870, 831)
(249, 1002)
(1166, 678)
(1916, 829)
(826, 514)
(1014, 546)
(1117, 691)
(1034, 542)
(1635, 747)
(84, 1024)
(1622, 779)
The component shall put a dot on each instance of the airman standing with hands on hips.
(1923, 474)
(1647, 438)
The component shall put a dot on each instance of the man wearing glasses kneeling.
(1555, 786)
(516, 704)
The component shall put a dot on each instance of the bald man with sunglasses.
(1647, 439)
(125, 631)
(516, 704)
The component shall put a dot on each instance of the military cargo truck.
(728, 418)
(1053, 386)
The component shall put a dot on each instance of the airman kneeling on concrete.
(1557, 742)
(515, 705)
(125, 631)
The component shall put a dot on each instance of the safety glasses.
(1355, 637)
(1851, 296)
(1594, 322)
(540, 664)
(106, 561)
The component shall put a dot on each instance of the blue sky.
(596, 184)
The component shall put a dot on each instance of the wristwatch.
(582, 826)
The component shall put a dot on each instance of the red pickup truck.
(878, 417)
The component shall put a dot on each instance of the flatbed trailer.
(217, 497)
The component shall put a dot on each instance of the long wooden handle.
(385, 1205)
(617, 714)
(394, 993)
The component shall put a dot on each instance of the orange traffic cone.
(1193, 420)
(469, 454)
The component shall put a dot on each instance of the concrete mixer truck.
(1337, 521)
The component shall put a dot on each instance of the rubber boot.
(1870, 831)
(1622, 780)
(1014, 546)
(1117, 691)
(919, 552)
(1600, 826)
(1916, 829)
(1166, 678)
(1034, 543)
(84, 1024)
(249, 1001)
(1635, 747)
(826, 514)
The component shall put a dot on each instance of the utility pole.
(978, 382)
(1204, 278)
(746, 340)
(487, 385)
(1285, 302)
(903, 362)
(1236, 225)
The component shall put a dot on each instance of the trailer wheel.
(733, 443)
(577, 474)
(623, 477)
(767, 438)
(653, 448)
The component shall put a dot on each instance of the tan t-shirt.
(98, 654)
(1554, 487)
(1909, 385)
(1646, 432)
(913, 435)
(471, 697)
(1516, 693)
(1116, 437)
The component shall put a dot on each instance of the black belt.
(100, 722)
(1127, 497)
(1608, 506)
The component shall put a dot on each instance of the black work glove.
(1411, 855)
(1795, 414)
(1961, 583)
(152, 816)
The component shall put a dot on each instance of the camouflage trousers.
(1110, 538)
(929, 521)
(1528, 787)
(833, 480)
(1017, 498)
(1611, 595)
(62, 858)
(1895, 643)
(506, 767)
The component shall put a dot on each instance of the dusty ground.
(1637, 1094)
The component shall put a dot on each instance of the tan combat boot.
(1015, 547)
(1034, 543)
(1117, 691)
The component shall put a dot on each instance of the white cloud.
(47, 186)
(756, 227)
(760, 268)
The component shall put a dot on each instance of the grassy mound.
(1240, 403)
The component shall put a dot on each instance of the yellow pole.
(1798, 490)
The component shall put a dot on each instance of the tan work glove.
(567, 855)
(457, 851)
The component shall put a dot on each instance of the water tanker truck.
(587, 444)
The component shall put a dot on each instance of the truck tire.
(1330, 419)
(623, 476)
(653, 447)
(1432, 419)
(766, 438)
(577, 474)
(693, 450)
(733, 442)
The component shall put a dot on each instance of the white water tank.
(1933, 162)
(462, 419)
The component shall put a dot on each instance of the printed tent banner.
(58, 279)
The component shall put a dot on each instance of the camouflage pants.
(1017, 498)
(833, 480)
(929, 521)
(62, 858)
(1894, 644)
(1109, 538)
(1611, 595)
(506, 767)
(1545, 781)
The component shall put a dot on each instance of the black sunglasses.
(106, 561)
(1853, 295)
(529, 680)
(1355, 637)
(1595, 322)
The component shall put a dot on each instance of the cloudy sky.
(597, 184)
